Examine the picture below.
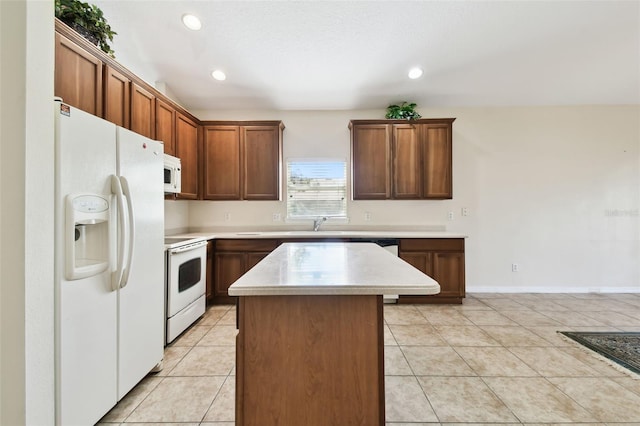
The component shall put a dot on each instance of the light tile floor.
(495, 359)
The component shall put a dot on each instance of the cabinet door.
(143, 112)
(253, 259)
(448, 270)
(228, 268)
(420, 261)
(261, 162)
(210, 269)
(187, 151)
(370, 156)
(406, 162)
(117, 97)
(165, 126)
(221, 149)
(78, 76)
(437, 161)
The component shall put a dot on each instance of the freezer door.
(86, 308)
(141, 321)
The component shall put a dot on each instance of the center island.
(310, 347)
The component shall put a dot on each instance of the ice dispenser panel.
(87, 235)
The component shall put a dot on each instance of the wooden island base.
(310, 360)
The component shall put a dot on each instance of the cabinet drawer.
(432, 244)
(246, 245)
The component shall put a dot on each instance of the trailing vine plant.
(88, 20)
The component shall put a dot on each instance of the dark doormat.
(622, 348)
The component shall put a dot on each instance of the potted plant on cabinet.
(404, 111)
(88, 20)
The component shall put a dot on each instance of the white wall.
(26, 222)
(176, 216)
(553, 189)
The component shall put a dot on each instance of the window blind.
(316, 188)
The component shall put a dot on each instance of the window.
(316, 188)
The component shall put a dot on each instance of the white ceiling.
(355, 55)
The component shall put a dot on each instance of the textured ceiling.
(355, 55)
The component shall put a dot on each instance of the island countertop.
(332, 269)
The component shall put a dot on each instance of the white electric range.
(185, 279)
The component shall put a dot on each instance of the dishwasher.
(389, 244)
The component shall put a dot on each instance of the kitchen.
(554, 225)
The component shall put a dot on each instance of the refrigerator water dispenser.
(87, 235)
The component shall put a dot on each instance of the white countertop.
(332, 269)
(217, 235)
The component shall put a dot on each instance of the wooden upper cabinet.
(89, 79)
(78, 76)
(221, 151)
(242, 160)
(143, 111)
(165, 126)
(117, 97)
(187, 151)
(406, 182)
(393, 159)
(370, 156)
(261, 147)
(437, 160)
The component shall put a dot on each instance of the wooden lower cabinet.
(228, 268)
(443, 260)
(210, 270)
(232, 259)
(440, 258)
(310, 360)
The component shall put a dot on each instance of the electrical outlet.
(515, 267)
(276, 217)
(465, 211)
(450, 215)
(367, 216)
(227, 216)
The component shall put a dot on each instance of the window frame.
(331, 217)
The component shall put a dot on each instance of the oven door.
(186, 276)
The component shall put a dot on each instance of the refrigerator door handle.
(132, 231)
(116, 188)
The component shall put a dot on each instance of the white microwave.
(172, 175)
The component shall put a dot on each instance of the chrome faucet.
(317, 222)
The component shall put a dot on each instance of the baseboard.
(554, 289)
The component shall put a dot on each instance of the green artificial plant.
(404, 111)
(88, 20)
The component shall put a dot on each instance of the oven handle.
(132, 231)
(188, 247)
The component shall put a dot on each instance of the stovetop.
(174, 242)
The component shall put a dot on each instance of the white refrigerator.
(109, 251)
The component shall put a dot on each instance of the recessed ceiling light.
(415, 73)
(218, 75)
(191, 21)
